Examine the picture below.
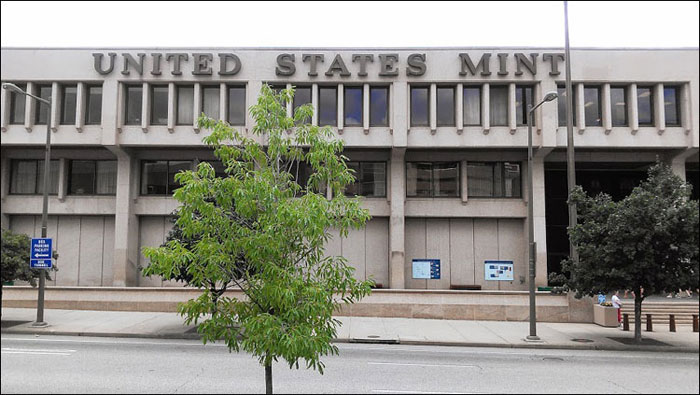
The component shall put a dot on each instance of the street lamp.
(45, 211)
(532, 251)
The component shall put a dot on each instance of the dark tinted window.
(68, 103)
(134, 99)
(154, 178)
(93, 110)
(236, 105)
(327, 106)
(618, 101)
(370, 179)
(185, 105)
(591, 105)
(645, 106)
(498, 105)
(671, 107)
(523, 101)
(27, 177)
(432, 179)
(561, 104)
(420, 106)
(17, 102)
(159, 105)
(493, 179)
(472, 106)
(445, 106)
(43, 91)
(378, 106)
(210, 101)
(352, 103)
(89, 177)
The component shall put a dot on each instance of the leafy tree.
(649, 240)
(15, 260)
(280, 228)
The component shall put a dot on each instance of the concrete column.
(632, 108)
(397, 223)
(120, 105)
(365, 108)
(223, 102)
(62, 179)
(112, 97)
(289, 104)
(340, 114)
(252, 92)
(399, 114)
(659, 108)
(485, 100)
(172, 102)
(5, 105)
(314, 104)
(460, 108)
(126, 224)
(29, 107)
(463, 180)
(538, 187)
(55, 106)
(432, 99)
(686, 109)
(607, 108)
(580, 109)
(197, 102)
(145, 107)
(512, 121)
(677, 162)
(81, 103)
(537, 96)
(4, 187)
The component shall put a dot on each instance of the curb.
(194, 336)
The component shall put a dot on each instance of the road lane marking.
(423, 365)
(420, 392)
(36, 350)
(36, 353)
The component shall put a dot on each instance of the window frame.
(625, 122)
(453, 122)
(599, 89)
(334, 88)
(13, 103)
(677, 97)
(229, 88)
(204, 88)
(88, 88)
(432, 180)
(345, 106)
(178, 87)
(36, 176)
(168, 192)
(152, 114)
(94, 178)
(127, 121)
(39, 106)
(526, 100)
(372, 122)
(500, 87)
(652, 111)
(62, 119)
(358, 179)
(479, 89)
(493, 165)
(561, 92)
(427, 106)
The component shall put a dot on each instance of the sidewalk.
(366, 330)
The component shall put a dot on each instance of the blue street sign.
(426, 269)
(40, 253)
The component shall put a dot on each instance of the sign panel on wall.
(40, 253)
(498, 270)
(426, 269)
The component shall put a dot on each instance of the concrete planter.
(605, 316)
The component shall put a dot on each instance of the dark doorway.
(615, 179)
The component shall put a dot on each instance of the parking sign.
(40, 253)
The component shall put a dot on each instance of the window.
(445, 106)
(471, 115)
(327, 106)
(645, 106)
(523, 101)
(90, 177)
(378, 106)
(27, 177)
(432, 179)
(498, 106)
(43, 91)
(618, 101)
(158, 177)
(302, 95)
(68, 104)
(420, 110)
(370, 179)
(236, 105)
(185, 105)
(134, 98)
(17, 102)
(159, 105)
(353, 103)
(93, 111)
(493, 179)
(210, 101)
(591, 105)
(561, 92)
(671, 108)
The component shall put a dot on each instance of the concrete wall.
(85, 245)
(462, 245)
(152, 233)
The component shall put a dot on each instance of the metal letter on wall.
(202, 63)
(387, 64)
(223, 63)
(130, 61)
(339, 66)
(468, 65)
(416, 64)
(97, 61)
(285, 65)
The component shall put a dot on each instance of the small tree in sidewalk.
(647, 241)
(260, 216)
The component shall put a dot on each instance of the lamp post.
(45, 211)
(532, 251)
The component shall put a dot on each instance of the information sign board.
(498, 270)
(426, 269)
(40, 252)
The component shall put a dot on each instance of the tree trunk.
(638, 315)
(268, 378)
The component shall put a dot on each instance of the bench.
(466, 287)
(671, 322)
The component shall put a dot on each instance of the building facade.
(437, 137)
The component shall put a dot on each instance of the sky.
(348, 24)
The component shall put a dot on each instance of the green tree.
(279, 229)
(649, 241)
(14, 260)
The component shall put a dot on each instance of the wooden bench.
(466, 287)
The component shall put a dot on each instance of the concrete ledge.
(435, 304)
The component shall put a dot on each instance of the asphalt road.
(52, 364)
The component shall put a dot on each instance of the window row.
(619, 105)
(68, 104)
(85, 177)
(210, 104)
(484, 179)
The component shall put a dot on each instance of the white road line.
(422, 365)
(36, 353)
(110, 342)
(34, 350)
(420, 392)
